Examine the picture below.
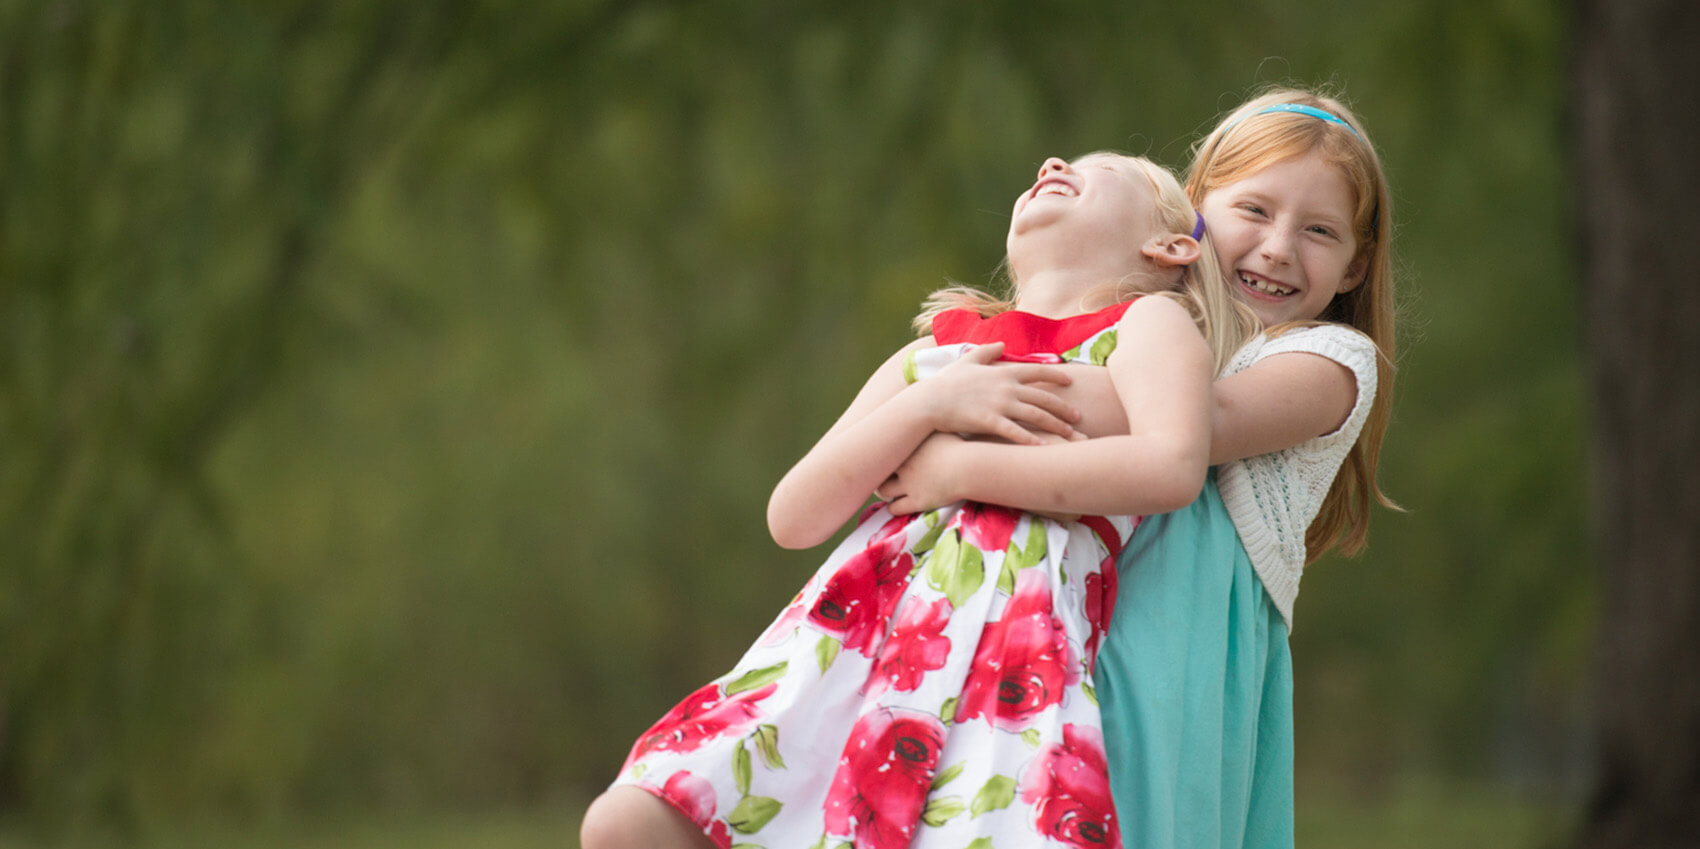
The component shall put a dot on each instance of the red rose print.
(1068, 785)
(694, 797)
(702, 716)
(872, 508)
(988, 527)
(1100, 604)
(917, 646)
(881, 785)
(787, 621)
(858, 598)
(1032, 358)
(1022, 664)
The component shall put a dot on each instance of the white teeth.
(1265, 286)
(1058, 189)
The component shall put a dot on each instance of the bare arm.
(834, 478)
(1161, 373)
(1280, 402)
(887, 420)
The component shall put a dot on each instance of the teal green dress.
(1195, 683)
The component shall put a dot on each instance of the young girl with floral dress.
(931, 684)
(1195, 676)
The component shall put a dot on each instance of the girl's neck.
(1060, 293)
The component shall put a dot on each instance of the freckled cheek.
(1230, 249)
(1226, 235)
(1330, 267)
(1225, 257)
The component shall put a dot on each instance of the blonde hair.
(1251, 139)
(1225, 322)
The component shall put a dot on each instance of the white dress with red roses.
(930, 686)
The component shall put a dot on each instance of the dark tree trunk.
(1636, 109)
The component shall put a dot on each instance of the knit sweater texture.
(1273, 497)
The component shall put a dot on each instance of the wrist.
(926, 406)
(956, 469)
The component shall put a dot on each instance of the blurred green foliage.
(392, 390)
(1418, 816)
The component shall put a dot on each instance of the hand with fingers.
(929, 479)
(1010, 401)
(925, 481)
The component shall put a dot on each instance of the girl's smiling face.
(1285, 239)
(1096, 205)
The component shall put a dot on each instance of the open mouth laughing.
(1264, 286)
(1055, 187)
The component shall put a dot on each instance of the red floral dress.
(930, 686)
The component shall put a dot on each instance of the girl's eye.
(1322, 231)
(1252, 208)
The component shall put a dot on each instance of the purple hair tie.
(1198, 229)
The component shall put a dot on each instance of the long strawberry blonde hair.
(1251, 139)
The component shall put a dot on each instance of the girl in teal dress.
(1195, 678)
(1195, 686)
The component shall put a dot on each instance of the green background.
(391, 392)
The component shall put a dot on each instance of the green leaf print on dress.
(1022, 557)
(942, 810)
(935, 525)
(741, 769)
(947, 775)
(757, 678)
(955, 568)
(826, 651)
(1097, 349)
(1102, 347)
(998, 792)
(767, 743)
(752, 813)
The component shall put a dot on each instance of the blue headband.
(1312, 111)
(1198, 229)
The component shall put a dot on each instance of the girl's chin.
(1268, 313)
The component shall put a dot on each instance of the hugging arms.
(1280, 402)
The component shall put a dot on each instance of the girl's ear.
(1354, 276)
(1171, 250)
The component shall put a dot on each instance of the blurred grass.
(1428, 814)
(1418, 814)
(540, 828)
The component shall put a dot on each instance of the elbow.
(792, 539)
(1178, 493)
(1221, 414)
(789, 531)
(1180, 481)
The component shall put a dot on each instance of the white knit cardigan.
(1273, 497)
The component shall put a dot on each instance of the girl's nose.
(1278, 246)
(1053, 165)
